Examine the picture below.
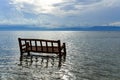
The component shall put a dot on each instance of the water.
(90, 56)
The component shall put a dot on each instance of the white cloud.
(115, 23)
(46, 21)
(62, 7)
(35, 6)
(48, 6)
(64, 12)
(17, 22)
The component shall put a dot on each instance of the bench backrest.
(40, 42)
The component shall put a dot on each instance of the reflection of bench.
(42, 46)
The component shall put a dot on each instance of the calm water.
(90, 56)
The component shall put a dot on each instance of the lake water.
(91, 55)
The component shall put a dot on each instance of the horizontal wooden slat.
(40, 40)
(45, 49)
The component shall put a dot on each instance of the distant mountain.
(104, 28)
(94, 28)
(77, 28)
(20, 27)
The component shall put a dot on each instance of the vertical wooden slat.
(47, 46)
(25, 41)
(52, 47)
(30, 44)
(25, 45)
(41, 45)
(36, 44)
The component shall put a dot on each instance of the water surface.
(91, 55)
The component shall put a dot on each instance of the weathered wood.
(52, 47)
(64, 51)
(30, 44)
(40, 40)
(36, 44)
(46, 47)
(60, 54)
(43, 47)
(20, 45)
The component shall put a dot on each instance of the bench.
(42, 46)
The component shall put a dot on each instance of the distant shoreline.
(76, 28)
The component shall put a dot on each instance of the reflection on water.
(35, 68)
(43, 68)
(90, 56)
(41, 61)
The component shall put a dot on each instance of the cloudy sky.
(57, 13)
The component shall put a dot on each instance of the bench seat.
(43, 49)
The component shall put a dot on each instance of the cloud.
(52, 13)
(38, 21)
(62, 7)
(115, 23)
(59, 7)
(35, 6)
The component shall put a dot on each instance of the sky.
(60, 13)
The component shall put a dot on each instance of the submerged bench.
(42, 46)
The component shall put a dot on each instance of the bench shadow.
(41, 61)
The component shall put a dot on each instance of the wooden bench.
(42, 46)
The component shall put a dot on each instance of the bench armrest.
(63, 46)
(25, 45)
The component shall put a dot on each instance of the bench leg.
(60, 60)
(28, 53)
(21, 56)
(64, 56)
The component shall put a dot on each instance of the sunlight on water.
(90, 56)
